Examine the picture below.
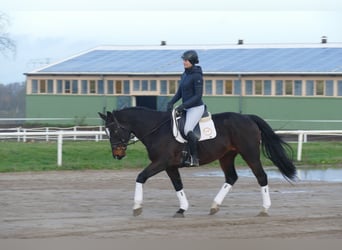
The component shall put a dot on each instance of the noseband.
(123, 143)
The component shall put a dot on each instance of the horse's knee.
(142, 177)
(262, 179)
(231, 179)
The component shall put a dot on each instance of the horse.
(244, 134)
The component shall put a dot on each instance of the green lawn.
(37, 156)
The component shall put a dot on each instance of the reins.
(127, 143)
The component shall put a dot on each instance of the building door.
(146, 101)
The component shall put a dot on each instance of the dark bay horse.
(236, 134)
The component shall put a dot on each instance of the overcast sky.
(46, 31)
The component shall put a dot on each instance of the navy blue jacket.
(190, 88)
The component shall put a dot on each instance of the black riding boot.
(192, 141)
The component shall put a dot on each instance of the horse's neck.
(141, 122)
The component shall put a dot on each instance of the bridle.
(118, 132)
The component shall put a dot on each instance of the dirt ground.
(98, 204)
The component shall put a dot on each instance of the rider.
(190, 90)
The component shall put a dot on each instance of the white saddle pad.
(206, 124)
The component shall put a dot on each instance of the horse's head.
(119, 136)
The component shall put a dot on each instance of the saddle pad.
(206, 125)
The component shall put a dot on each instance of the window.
(100, 87)
(153, 85)
(172, 86)
(144, 85)
(288, 87)
(34, 88)
(237, 87)
(279, 87)
(118, 87)
(110, 87)
(59, 86)
(309, 88)
(228, 84)
(267, 87)
(84, 87)
(92, 87)
(258, 87)
(208, 87)
(329, 88)
(219, 87)
(249, 87)
(136, 85)
(50, 86)
(74, 86)
(163, 87)
(42, 86)
(67, 86)
(319, 87)
(339, 88)
(298, 87)
(126, 87)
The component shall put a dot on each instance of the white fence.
(302, 137)
(98, 135)
(58, 134)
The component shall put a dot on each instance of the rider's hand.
(169, 106)
(179, 109)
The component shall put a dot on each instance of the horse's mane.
(138, 108)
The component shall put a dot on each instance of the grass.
(40, 156)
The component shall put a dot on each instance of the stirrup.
(194, 162)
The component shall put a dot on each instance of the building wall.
(80, 110)
(284, 112)
(280, 112)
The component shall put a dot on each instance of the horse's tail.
(275, 149)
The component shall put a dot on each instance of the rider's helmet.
(191, 56)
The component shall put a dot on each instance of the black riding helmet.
(191, 56)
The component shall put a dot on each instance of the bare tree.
(7, 45)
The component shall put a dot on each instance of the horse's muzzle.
(119, 152)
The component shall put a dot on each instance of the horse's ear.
(102, 116)
(109, 114)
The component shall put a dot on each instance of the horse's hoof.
(214, 210)
(178, 215)
(263, 214)
(137, 211)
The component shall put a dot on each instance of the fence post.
(24, 136)
(18, 138)
(59, 149)
(300, 146)
(75, 129)
(47, 134)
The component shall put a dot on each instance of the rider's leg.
(193, 115)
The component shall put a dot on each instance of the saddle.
(204, 130)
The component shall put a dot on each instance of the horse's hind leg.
(253, 161)
(228, 167)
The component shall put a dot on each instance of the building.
(291, 86)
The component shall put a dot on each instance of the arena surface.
(98, 204)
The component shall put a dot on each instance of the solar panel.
(244, 60)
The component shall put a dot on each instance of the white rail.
(59, 134)
(302, 136)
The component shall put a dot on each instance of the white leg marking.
(183, 201)
(222, 193)
(266, 200)
(138, 195)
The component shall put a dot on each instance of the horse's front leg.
(148, 172)
(176, 180)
